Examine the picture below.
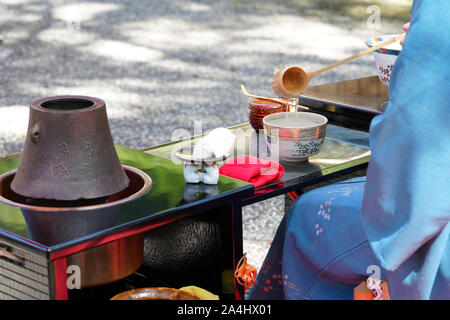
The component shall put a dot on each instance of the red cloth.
(253, 170)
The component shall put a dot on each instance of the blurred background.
(160, 65)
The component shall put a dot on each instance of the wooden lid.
(264, 103)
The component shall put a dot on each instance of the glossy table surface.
(351, 103)
(168, 197)
(365, 94)
(343, 149)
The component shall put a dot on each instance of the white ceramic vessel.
(385, 57)
(295, 136)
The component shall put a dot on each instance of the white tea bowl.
(295, 136)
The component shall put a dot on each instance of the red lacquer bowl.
(259, 108)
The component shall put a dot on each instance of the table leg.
(232, 244)
(59, 288)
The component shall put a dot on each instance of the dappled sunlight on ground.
(183, 55)
(82, 11)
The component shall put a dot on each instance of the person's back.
(398, 217)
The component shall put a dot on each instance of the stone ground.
(161, 65)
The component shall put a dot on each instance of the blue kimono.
(395, 221)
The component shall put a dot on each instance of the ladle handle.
(360, 54)
(278, 100)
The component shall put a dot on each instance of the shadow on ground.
(160, 65)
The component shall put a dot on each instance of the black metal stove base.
(184, 253)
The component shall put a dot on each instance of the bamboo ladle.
(292, 81)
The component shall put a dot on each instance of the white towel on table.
(215, 144)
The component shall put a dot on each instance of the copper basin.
(68, 220)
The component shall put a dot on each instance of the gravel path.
(161, 65)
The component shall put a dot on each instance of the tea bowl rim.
(269, 117)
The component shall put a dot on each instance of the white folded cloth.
(215, 144)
